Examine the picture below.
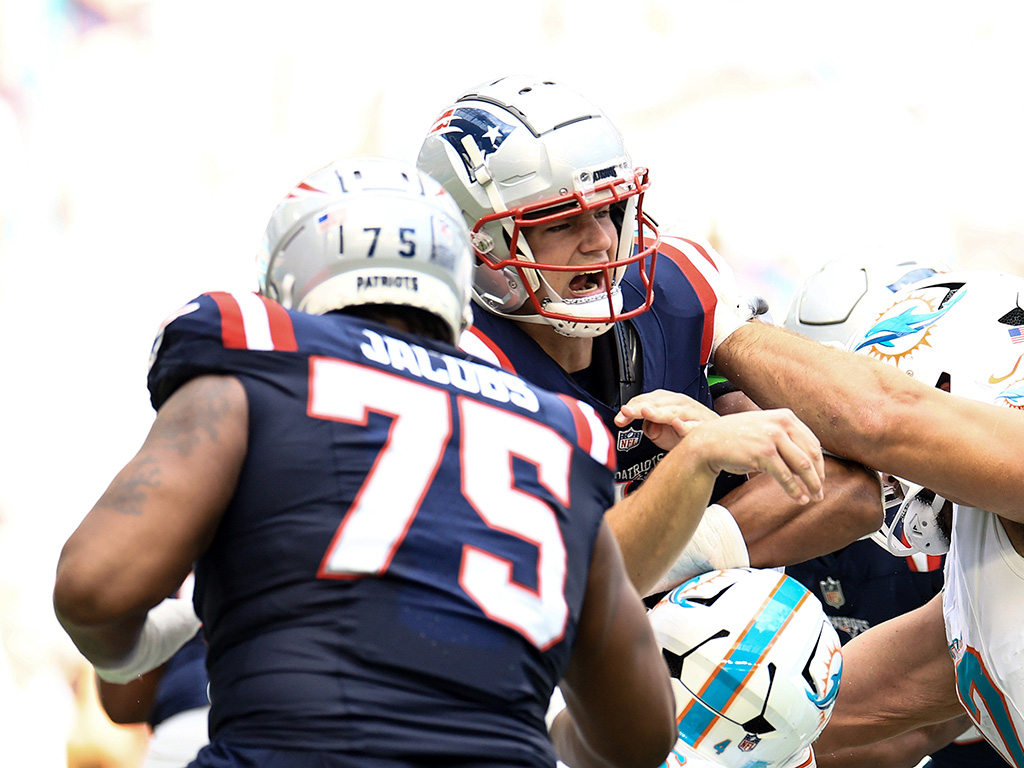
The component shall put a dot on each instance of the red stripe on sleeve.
(282, 333)
(232, 329)
(503, 360)
(706, 294)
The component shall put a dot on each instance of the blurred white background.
(143, 143)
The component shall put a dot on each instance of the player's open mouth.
(587, 283)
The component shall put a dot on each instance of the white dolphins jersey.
(982, 603)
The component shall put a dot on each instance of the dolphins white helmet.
(369, 231)
(755, 666)
(961, 330)
(835, 301)
(832, 304)
(522, 151)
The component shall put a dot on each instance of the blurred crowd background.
(143, 144)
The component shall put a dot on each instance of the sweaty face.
(583, 240)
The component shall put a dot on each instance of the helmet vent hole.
(1014, 317)
(807, 667)
(707, 600)
(953, 290)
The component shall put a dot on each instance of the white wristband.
(717, 543)
(732, 313)
(168, 626)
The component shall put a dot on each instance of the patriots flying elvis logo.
(485, 130)
(907, 329)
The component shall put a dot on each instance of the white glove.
(168, 626)
(717, 543)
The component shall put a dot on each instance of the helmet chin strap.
(486, 182)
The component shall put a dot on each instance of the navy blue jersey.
(862, 585)
(400, 571)
(674, 338)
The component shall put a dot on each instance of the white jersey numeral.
(393, 490)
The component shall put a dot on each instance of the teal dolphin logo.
(907, 323)
(1013, 397)
(824, 701)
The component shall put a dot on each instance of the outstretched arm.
(872, 413)
(779, 531)
(139, 541)
(653, 524)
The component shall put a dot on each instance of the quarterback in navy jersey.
(576, 290)
(671, 343)
(399, 551)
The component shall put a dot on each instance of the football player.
(863, 584)
(399, 551)
(932, 394)
(576, 290)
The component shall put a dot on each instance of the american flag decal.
(1016, 335)
(330, 219)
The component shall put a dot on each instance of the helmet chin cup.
(918, 512)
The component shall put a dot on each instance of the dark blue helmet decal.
(485, 130)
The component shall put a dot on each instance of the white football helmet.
(963, 330)
(836, 300)
(522, 151)
(368, 231)
(832, 304)
(755, 666)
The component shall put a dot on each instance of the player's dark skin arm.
(779, 531)
(139, 541)
(620, 707)
(131, 702)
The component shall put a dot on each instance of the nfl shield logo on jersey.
(628, 439)
(832, 592)
(750, 741)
